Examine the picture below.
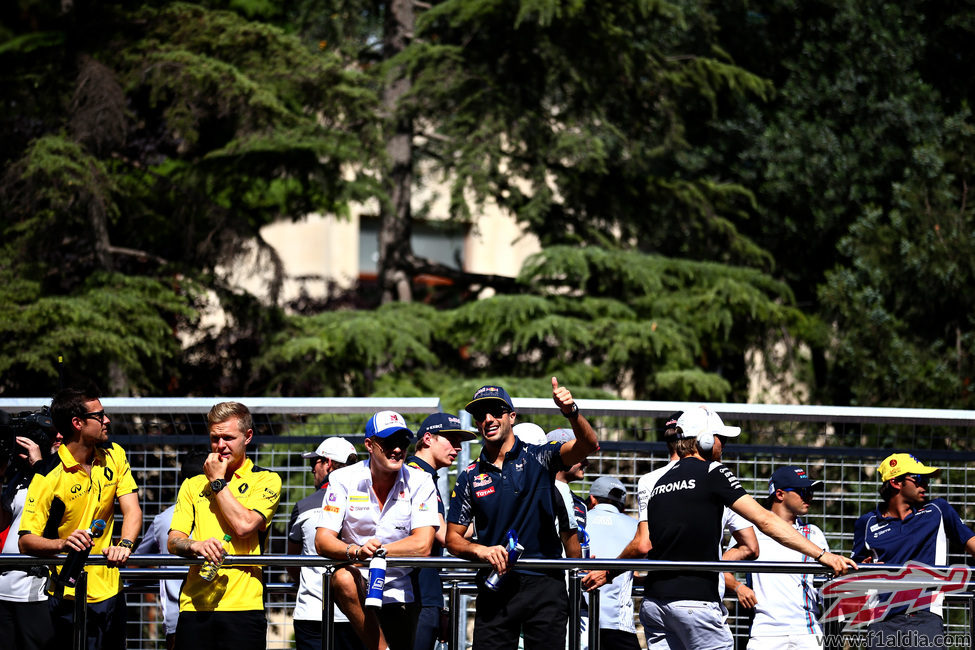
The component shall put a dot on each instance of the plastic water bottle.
(75, 562)
(377, 579)
(584, 541)
(514, 549)
(209, 569)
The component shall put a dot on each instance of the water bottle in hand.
(377, 578)
(209, 570)
(75, 562)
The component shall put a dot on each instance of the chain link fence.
(839, 446)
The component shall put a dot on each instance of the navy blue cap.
(487, 394)
(441, 423)
(386, 423)
(791, 476)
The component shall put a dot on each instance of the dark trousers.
(907, 631)
(618, 640)
(222, 630)
(26, 626)
(536, 606)
(106, 622)
(308, 636)
(398, 623)
(427, 628)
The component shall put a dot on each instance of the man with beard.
(905, 527)
(511, 488)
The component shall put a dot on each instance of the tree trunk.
(395, 250)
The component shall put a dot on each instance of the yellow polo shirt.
(62, 498)
(235, 588)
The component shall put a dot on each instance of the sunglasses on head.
(494, 410)
(806, 494)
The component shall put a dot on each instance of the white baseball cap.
(701, 420)
(529, 433)
(335, 448)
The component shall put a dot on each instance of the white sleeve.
(333, 508)
(423, 505)
(734, 522)
(566, 494)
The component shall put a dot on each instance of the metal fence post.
(594, 619)
(453, 602)
(328, 610)
(81, 612)
(575, 611)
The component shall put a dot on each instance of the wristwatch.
(126, 543)
(573, 411)
(217, 485)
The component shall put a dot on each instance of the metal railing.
(457, 576)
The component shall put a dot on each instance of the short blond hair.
(225, 410)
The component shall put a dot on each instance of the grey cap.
(608, 487)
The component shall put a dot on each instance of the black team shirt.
(684, 515)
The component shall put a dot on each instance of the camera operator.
(24, 615)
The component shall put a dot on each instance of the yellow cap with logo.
(900, 464)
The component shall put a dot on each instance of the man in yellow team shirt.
(70, 490)
(232, 497)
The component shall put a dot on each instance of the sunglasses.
(395, 442)
(919, 480)
(806, 494)
(495, 410)
(96, 415)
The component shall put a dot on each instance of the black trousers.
(907, 631)
(106, 622)
(536, 606)
(308, 636)
(222, 630)
(26, 626)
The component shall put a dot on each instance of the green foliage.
(112, 323)
(342, 352)
(572, 116)
(905, 331)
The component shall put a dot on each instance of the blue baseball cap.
(487, 394)
(444, 423)
(791, 476)
(386, 423)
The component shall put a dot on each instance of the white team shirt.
(568, 509)
(645, 486)
(15, 585)
(308, 602)
(788, 604)
(732, 522)
(352, 510)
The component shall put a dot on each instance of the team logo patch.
(481, 480)
(484, 492)
(109, 474)
(243, 488)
